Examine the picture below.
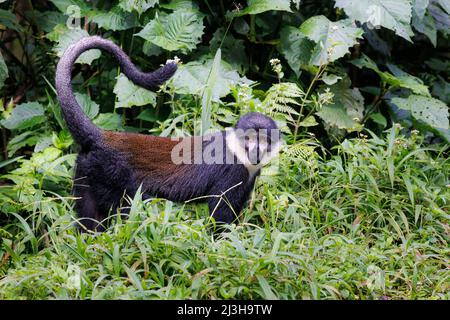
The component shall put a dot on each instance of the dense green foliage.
(355, 207)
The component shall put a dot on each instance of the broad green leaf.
(192, 77)
(296, 48)
(420, 7)
(330, 79)
(178, 31)
(379, 118)
(62, 140)
(115, 19)
(109, 121)
(179, 4)
(428, 110)
(47, 20)
(139, 6)
(3, 71)
(346, 111)
(441, 89)
(409, 81)
(43, 143)
(151, 49)
(422, 21)
(63, 5)
(27, 138)
(333, 39)
(148, 115)
(259, 6)
(399, 79)
(427, 26)
(309, 122)
(439, 11)
(391, 14)
(90, 108)
(66, 37)
(445, 4)
(9, 20)
(129, 94)
(25, 116)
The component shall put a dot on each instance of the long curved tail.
(82, 129)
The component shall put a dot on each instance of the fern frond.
(300, 150)
(282, 96)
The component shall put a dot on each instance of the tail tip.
(171, 67)
(166, 72)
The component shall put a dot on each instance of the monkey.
(110, 164)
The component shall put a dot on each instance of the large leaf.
(420, 7)
(115, 19)
(192, 77)
(66, 37)
(439, 9)
(18, 141)
(347, 108)
(259, 6)
(445, 4)
(391, 14)
(333, 38)
(441, 90)
(409, 81)
(296, 48)
(63, 5)
(398, 79)
(179, 4)
(90, 108)
(47, 20)
(25, 116)
(427, 26)
(109, 121)
(3, 71)
(137, 5)
(422, 21)
(178, 31)
(129, 94)
(428, 110)
(9, 20)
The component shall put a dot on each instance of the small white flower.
(175, 59)
(274, 61)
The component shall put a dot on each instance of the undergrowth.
(369, 221)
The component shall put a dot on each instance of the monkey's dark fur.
(112, 164)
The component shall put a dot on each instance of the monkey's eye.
(250, 138)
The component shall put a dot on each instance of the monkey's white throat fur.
(235, 146)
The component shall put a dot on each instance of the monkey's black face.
(255, 144)
(256, 139)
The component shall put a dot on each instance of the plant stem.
(252, 28)
(226, 32)
(311, 85)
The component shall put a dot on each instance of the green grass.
(369, 222)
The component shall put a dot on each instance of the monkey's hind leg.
(86, 205)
